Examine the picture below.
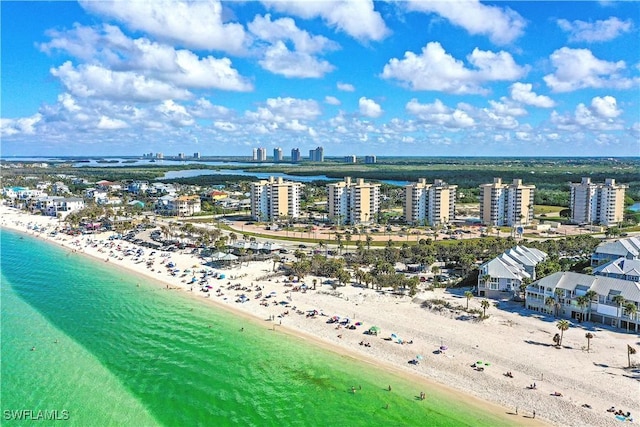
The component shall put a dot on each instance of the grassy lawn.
(544, 209)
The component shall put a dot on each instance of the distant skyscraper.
(350, 159)
(597, 203)
(181, 156)
(295, 155)
(369, 159)
(316, 155)
(159, 156)
(196, 155)
(262, 154)
(277, 154)
(254, 157)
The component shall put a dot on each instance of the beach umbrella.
(374, 329)
(419, 357)
(479, 362)
(443, 347)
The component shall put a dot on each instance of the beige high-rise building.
(353, 202)
(275, 198)
(506, 204)
(429, 204)
(593, 203)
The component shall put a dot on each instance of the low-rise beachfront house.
(506, 272)
(621, 268)
(162, 188)
(109, 186)
(136, 204)
(628, 248)
(213, 196)
(178, 206)
(138, 187)
(99, 196)
(60, 188)
(566, 294)
(52, 205)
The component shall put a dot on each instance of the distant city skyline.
(412, 78)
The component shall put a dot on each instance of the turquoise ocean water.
(111, 353)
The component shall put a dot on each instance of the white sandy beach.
(509, 340)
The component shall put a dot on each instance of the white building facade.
(593, 203)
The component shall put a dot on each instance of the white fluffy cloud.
(579, 69)
(331, 100)
(501, 25)
(110, 48)
(600, 116)
(278, 59)
(99, 82)
(439, 114)
(175, 113)
(369, 108)
(435, 69)
(356, 18)
(197, 24)
(522, 92)
(285, 111)
(24, 126)
(606, 107)
(299, 62)
(598, 31)
(108, 123)
(345, 87)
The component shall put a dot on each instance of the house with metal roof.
(628, 248)
(621, 268)
(505, 273)
(560, 293)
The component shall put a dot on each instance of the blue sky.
(423, 78)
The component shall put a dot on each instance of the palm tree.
(468, 295)
(486, 279)
(550, 302)
(563, 325)
(591, 294)
(630, 351)
(631, 309)
(588, 336)
(620, 301)
(582, 302)
(484, 304)
(339, 241)
(369, 239)
(276, 260)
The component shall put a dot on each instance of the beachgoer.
(389, 388)
(516, 410)
(353, 390)
(33, 348)
(534, 413)
(360, 387)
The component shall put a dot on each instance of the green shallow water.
(140, 355)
